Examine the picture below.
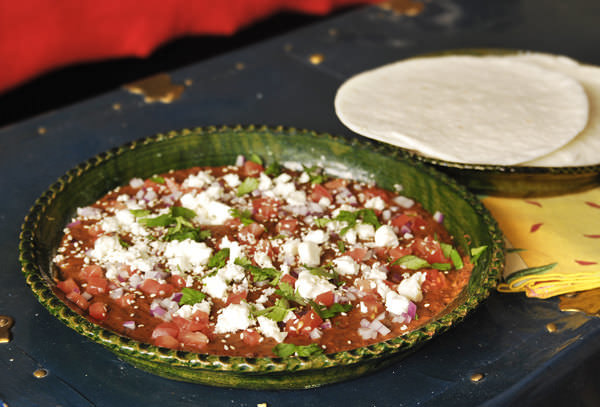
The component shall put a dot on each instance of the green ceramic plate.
(466, 219)
(512, 181)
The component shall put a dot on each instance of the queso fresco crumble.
(258, 260)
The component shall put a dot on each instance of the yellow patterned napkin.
(555, 242)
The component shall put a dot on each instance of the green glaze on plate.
(465, 217)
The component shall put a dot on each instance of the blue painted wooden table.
(275, 83)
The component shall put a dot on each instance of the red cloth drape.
(39, 35)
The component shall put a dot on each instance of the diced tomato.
(172, 185)
(250, 337)
(152, 287)
(252, 232)
(233, 222)
(67, 286)
(398, 252)
(197, 322)
(401, 220)
(336, 184)
(177, 281)
(287, 226)
(327, 298)
(319, 192)
(251, 169)
(196, 341)
(358, 254)
(96, 285)
(366, 286)
(91, 271)
(305, 324)
(429, 250)
(166, 341)
(376, 192)
(265, 209)
(372, 304)
(264, 246)
(289, 279)
(78, 299)
(98, 310)
(125, 300)
(236, 298)
(435, 280)
(381, 253)
(165, 328)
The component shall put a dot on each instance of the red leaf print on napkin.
(535, 227)
(592, 236)
(585, 263)
(593, 205)
(536, 203)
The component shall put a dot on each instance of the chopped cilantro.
(411, 262)
(248, 185)
(180, 211)
(256, 159)
(161, 220)
(284, 350)
(124, 243)
(219, 259)
(244, 216)
(277, 312)
(177, 222)
(139, 213)
(321, 222)
(322, 272)
(452, 254)
(157, 179)
(341, 246)
(191, 296)
(273, 169)
(477, 251)
(287, 291)
(441, 266)
(330, 312)
(258, 273)
(366, 215)
(315, 174)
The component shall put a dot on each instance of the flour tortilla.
(477, 110)
(585, 148)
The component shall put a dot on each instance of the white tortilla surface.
(477, 110)
(585, 148)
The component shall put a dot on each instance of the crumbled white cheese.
(233, 318)
(385, 237)
(215, 286)
(396, 303)
(187, 310)
(350, 236)
(365, 231)
(303, 178)
(310, 286)
(235, 249)
(345, 265)
(265, 182)
(263, 259)
(208, 210)
(309, 253)
(269, 328)
(317, 236)
(375, 203)
(199, 180)
(232, 180)
(186, 254)
(411, 287)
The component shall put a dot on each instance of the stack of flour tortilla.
(526, 109)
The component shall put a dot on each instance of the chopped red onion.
(136, 182)
(72, 224)
(326, 325)
(140, 194)
(157, 311)
(116, 293)
(89, 212)
(384, 330)
(438, 217)
(177, 297)
(364, 323)
(412, 309)
(150, 195)
(87, 295)
(405, 229)
(315, 334)
(129, 324)
(240, 160)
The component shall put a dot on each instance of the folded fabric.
(39, 35)
(554, 243)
